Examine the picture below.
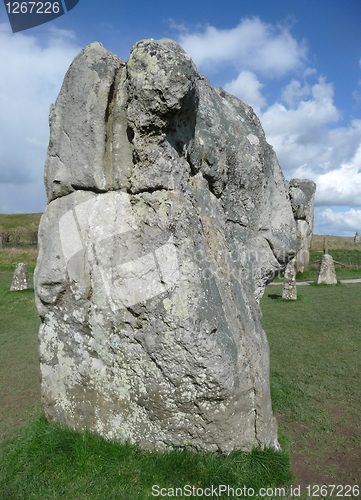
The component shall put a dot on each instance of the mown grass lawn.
(315, 347)
(19, 364)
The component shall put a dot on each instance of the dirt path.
(302, 283)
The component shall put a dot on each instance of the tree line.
(18, 237)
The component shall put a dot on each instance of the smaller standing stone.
(326, 271)
(302, 196)
(289, 282)
(357, 237)
(21, 278)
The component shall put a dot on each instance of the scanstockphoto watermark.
(219, 491)
(239, 264)
(223, 491)
(25, 15)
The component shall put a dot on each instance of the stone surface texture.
(326, 271)
(357, 237)
(302, 196)
(167, 215)
(289, 282)
(21, 279)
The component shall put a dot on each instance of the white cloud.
(307, 147)
(247, 88)
(32, 71)
(292, 94)
(337, 223)
(252, 45)
(310, 114)
(341, 186)
(309, 72)
(304, 144)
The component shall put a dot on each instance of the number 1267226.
(33, 7)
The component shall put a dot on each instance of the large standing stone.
(167, 215)
(289, 282)
(357, 237)
(302, 196)
(21, 279)
(326, 271)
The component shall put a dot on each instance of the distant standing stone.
(357, 237)
(302, 196)
(326, 271)
(289, 283)
(21, 278)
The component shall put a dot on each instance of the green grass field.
(9, 257)
(19, 365)
(315, 345)
(20, 221)
(350, 258)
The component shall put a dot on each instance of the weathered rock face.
(167, 215)
(289, 283)
(20, 279)
(326, 271)
(357, 237)
(302, 195)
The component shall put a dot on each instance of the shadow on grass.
(279, 298)
(50, 461)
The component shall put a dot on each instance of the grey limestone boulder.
(21, 279)
(326, 271)
(289, 283)
(167, 215)
(302, 196)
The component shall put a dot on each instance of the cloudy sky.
(298, 63)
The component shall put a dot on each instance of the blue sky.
(298, 63)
